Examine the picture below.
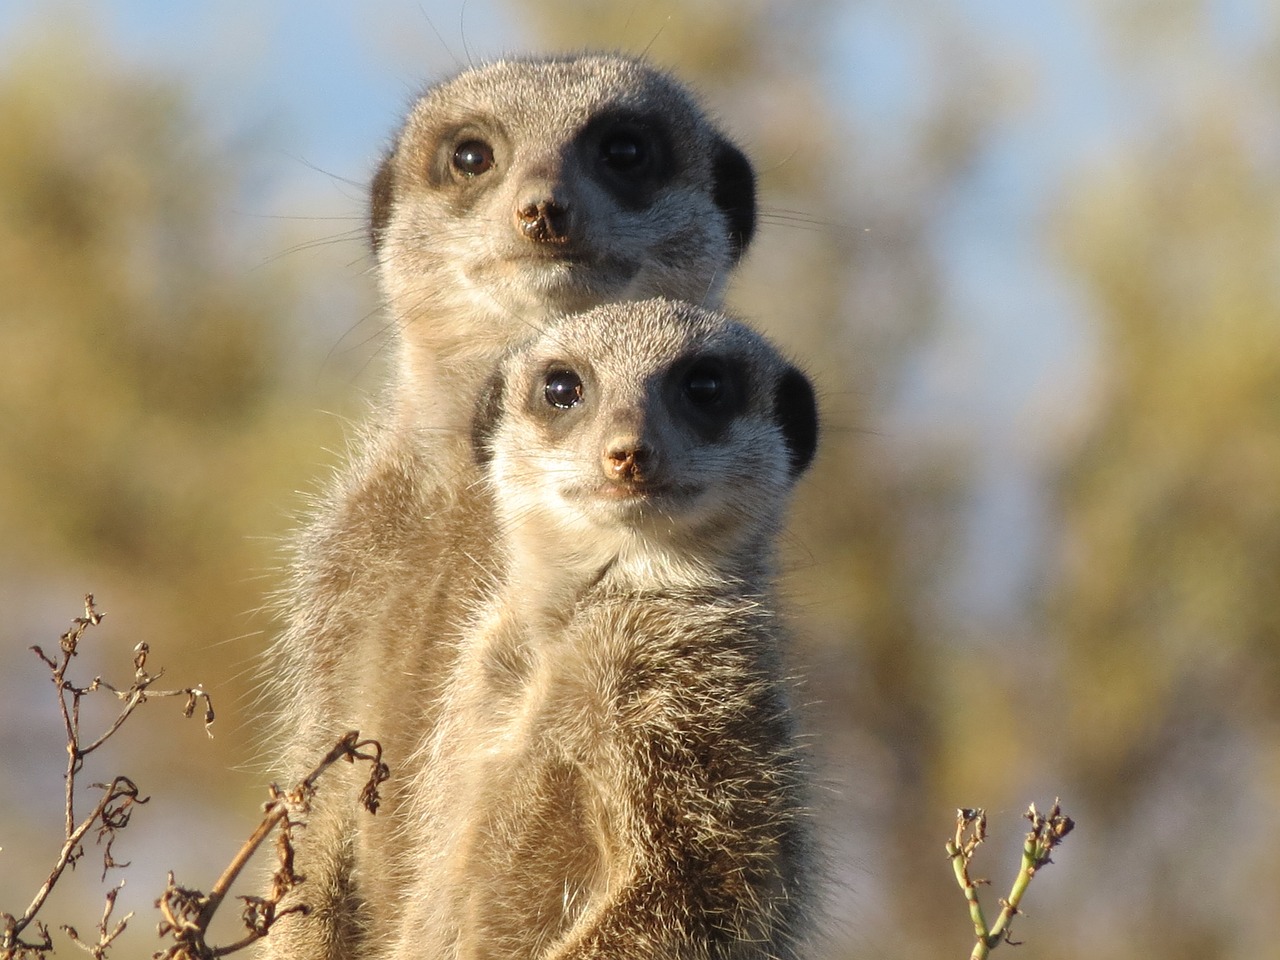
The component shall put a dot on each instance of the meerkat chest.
(619, 665)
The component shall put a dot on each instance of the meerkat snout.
(628, 459)
(544, 213)
(544, 221)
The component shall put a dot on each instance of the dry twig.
(114, 808)
(106, 936)
(188, 913)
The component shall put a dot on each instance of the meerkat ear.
(485, 422)
(734, 192)
(380, 193)
(796, 408)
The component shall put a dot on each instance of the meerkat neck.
(428, 389)
(548, 578)
(438, 379)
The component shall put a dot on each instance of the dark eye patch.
(624, 151)
(711, 392)
(705, 383)
(631, 155)
(463, 160)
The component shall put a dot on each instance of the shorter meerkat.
(615, 771)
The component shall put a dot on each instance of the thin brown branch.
(106, 937)
(120, 789)
(188, 913)
(113, 810)
(135, 699)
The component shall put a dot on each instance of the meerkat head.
(646, 429)
(529, 188)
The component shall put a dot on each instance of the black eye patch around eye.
(705, 383)
(472, 158)
(625, 151)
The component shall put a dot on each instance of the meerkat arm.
(703, 848)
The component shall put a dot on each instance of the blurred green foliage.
(133, 371)
(152, 434)
(1165, 575)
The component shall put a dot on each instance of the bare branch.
(114, 808)
(187, 913)
(105, 936)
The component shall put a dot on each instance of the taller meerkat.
(514, 193)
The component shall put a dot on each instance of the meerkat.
(514, 193)
(615, 771)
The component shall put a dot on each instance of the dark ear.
(380, 202)
(734, 192)
(796, 408)
(485, 422)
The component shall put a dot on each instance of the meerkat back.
(514, 193)
(615, 773)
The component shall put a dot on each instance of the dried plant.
(1047, 831)
(186, 913)
(115, 806)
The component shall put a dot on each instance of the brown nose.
(627, 459)
(544, 220)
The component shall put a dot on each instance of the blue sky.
(339, 72)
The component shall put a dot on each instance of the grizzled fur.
(647, 199)
(515, 192)
(615, 773)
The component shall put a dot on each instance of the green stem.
(1034, 855)
(959, 865)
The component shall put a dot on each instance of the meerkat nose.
(627, 458)
(542, 218)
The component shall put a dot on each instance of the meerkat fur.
(615, 773)
(514, 193)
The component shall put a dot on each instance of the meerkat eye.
(704, 384)
(623, 151)
(563, 389)
(473, 158)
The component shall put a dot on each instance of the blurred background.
(1031, 254)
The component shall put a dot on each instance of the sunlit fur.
(491, 286)
(615, 772)
(398, 552)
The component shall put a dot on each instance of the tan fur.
(399, 552)
(495, 287)
(615, 773)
